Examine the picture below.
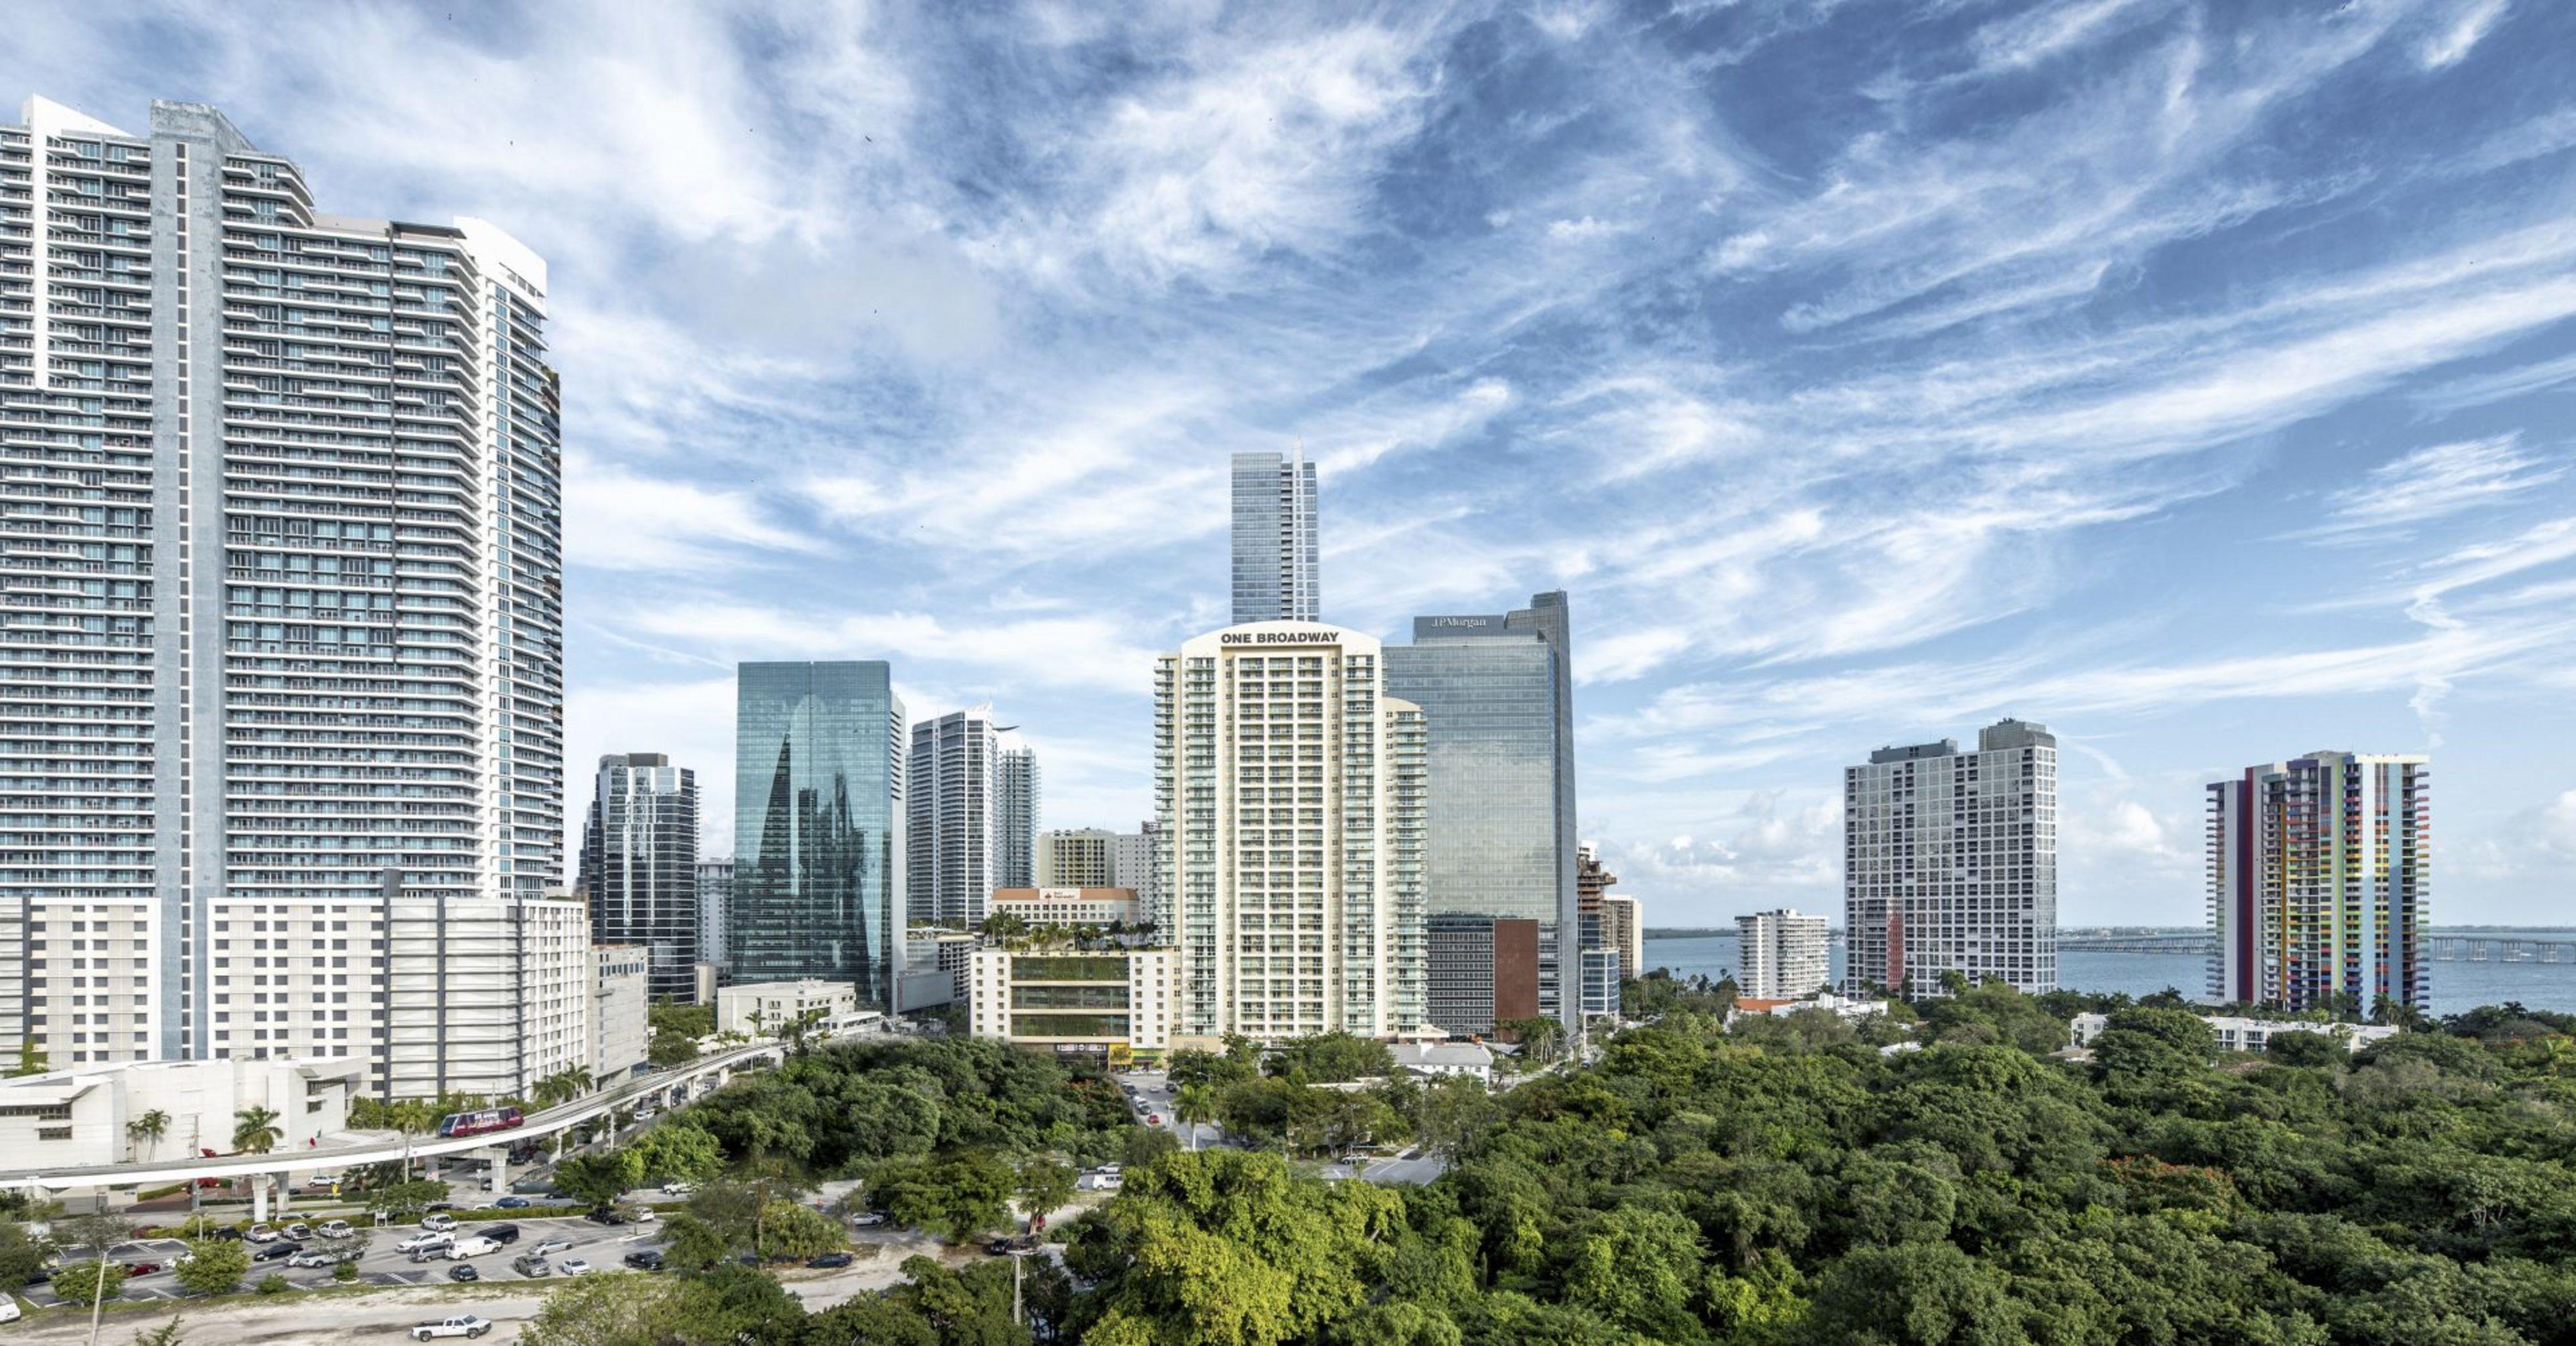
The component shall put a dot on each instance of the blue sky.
(2195, 378)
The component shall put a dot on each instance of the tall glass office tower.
(283, 616)
(639, 866)
(818, 885)
(1015, 801)
(1496, 693)
(1274, 539)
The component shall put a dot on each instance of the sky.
(2198, 379)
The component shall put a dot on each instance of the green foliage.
(255, 1130)
(214, 1266)
(80, 1282)
(600, 1177)
(678, 1150)
(1331, 1058)
(676, 1030)
(274, 1283)
(405, 1200)
(791, 1230)
(32, 1059)
(1044, 1185)
(167, 1334)
(21, 1254)
(346, 1273)
(956, 1197)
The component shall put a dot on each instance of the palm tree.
(255, 1131)
(149, 1129)
(1193, 1104)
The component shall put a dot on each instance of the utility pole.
(1019, 1260)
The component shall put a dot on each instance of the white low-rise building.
(760, 1008)
(104, 1114)
(2239, 1034)
(1471, 1059)
(1112, 1001)
(1852, 1009)
(621, 1027)
(1068, 906)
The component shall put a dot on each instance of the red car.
(142, 1269)
(1153, 1119)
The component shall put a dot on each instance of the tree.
(958, 1197)
(148, 1129)
(89, 1279)
(274, 1283)
(1541, 1038)
(1044, 1185)
(31, 1059)
(789, 1229)
(407, 1199)
(1193, 1104)
(600, 1178)
(97, 1231)
(255, 1130)
(678, 1151)
(21, 1255)
(214, 1266)
(167, 1334)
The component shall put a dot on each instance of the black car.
(829, 1260)
(270, 1252)
(604, 1215)
(645, 1259)
(500, 1233)
(228, 1232)
(998, 1247)
(463, 1271)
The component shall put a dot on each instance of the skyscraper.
(1274, 539)
(285, 624)
(1780, 954)
(1015, 796)
(954, 837)
(818, 885)
(2320, 882)
(1496, 693)
(1950, 863)
(639, 867)
(1290, 789)
(1613, 948)
(715, 913)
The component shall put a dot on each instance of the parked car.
(9, 1310)
(501, 1233)
(462, 1325)
(471, 1247)
(333, 1229)
(645, 1259)
(533, 1187)
(998, 1247)
(642, 1215)
(549, 1247)
(463, 1272)
(298, 1231)
(272, 1252)
(261, 1233)
(513, 1203)
(1153, 1119)
(573, 1266)
(312, 1258)
(438, 1223)
(427, 1241)
(678, 1189)
(229, 1232)
(531, 1266)
(141, 1269)
(604, 1215)
(868, 1219)
(828, 1260)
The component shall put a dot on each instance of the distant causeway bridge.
(2438, 948)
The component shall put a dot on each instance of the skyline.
(1841, 426)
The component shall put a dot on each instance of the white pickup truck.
(463, 1325)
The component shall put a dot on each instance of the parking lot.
(604, 1247)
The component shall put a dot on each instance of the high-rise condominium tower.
(1015, 797)
(1950, 863)
(1290, 791)
(818, 882)
(1497, 694)
(715, 913)
(961, 807)
(1780, 954)
(1274, 539)
(1081, 857)
(639, 866)
(284, 622)
(2320, 882)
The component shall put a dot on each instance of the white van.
(473, 1247)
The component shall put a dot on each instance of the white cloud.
(2437, 481)
(1628, 655)
(2471, 20)
(630, 522)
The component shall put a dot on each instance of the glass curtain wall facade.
(1015, 799)
(639, 867)
(1275, 578)
(819, 826)
(1494, 691)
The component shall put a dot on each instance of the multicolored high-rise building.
(2320, 882)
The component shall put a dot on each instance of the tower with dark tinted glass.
(639, 866)
(818, 885)
(1497, 698)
